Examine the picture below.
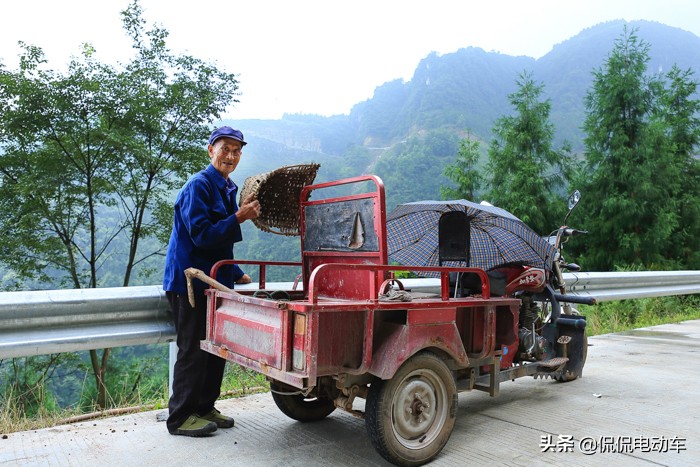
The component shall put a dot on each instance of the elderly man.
(206, 225)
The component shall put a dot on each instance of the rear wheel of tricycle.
(410, 417)
(300, 407)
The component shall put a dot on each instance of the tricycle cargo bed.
(297, 341)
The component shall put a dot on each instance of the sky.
(319, 56)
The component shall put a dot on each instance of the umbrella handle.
(384, 288)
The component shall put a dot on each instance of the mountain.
(468, 90)
(453, 93)
(409, 131)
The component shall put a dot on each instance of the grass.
(623, 315)
(239, 381)
(15, 416)
(604, 318)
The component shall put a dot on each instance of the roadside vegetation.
(31, 403)
(623, 315)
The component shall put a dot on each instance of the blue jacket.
(205, 228)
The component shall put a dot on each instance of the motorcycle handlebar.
(584, 300)
(569, 232)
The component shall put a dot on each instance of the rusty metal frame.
(262, 267)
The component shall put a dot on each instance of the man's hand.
(249, 209)
(244, 279)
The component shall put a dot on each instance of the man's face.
(225, 154)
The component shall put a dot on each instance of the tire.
(568, 376)
(299, 407)
(410, 417)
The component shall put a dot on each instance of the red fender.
(404, 341)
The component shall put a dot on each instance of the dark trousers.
(197, 374)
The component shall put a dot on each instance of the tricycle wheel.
(410, 417)
(300, 407)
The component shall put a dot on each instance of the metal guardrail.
(54, 321)
(607, 286)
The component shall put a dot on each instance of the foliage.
(25, 380)
(464, 172)
(639, 162)
(624, 315)
(138, 380)
(525, 172)
(89, 154)
(681, 117)
(264, 246)
(241, 380)
(414, 170)
(57, 382)
(135, 374)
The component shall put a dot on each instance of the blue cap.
(227, 132)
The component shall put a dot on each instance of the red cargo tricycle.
(351, 330)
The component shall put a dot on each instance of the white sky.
(319, 56)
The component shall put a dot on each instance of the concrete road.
(638, 404)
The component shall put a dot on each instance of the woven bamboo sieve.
(278, 192)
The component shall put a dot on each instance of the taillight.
(298, 353)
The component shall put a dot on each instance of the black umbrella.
(496, 237)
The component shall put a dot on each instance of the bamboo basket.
(278, 192)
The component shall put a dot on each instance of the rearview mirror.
(574, 199)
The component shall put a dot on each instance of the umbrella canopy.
(496, 237)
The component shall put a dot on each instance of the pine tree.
(681, 115)
(632, 178)
(526, 174)
(464, 172)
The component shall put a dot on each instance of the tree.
(638, 150)
(90, 157)
(413, 170)
(526, 174)
(464, 172)
(681, 116)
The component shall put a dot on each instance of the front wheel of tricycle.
(299, 407)
(410, 417)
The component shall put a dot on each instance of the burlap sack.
(278, 192)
